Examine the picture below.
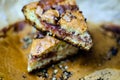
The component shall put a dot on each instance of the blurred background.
(10, 11)
(96, 11)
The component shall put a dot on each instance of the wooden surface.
(13, 58)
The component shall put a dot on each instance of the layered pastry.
(47, 49)
(61, 19)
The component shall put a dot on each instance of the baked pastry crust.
(61, 19)
(47, 50)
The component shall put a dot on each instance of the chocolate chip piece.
(66, 75)
(73, 32)
(114, 51)
(39, 35)
(27, 41)
(24, 76)
(100, 78)
(43, 73)
(118, 40)
(85, 19)
(80, 11)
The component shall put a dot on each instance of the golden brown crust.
(61, 7)
(78, 23)
(47, 49)
(74, 20)
(64, 22)
(42, 45)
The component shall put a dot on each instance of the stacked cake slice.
(47, 50)
(66, 30)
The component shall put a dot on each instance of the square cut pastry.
(46, 50)
(62, 19)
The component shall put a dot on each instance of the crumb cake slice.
(46, 50)
(62, 19)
